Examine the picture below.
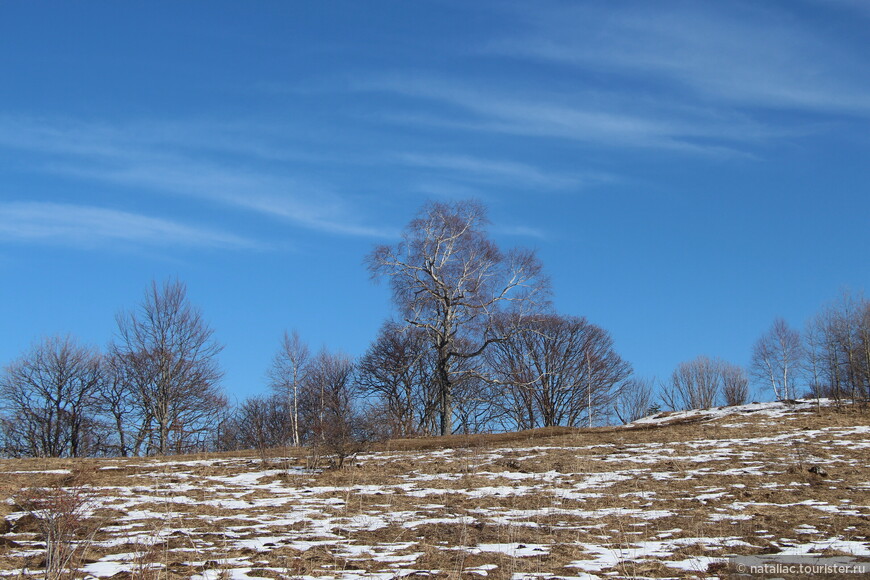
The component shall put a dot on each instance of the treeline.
(829, 359)
(154, 390)
(475, 346)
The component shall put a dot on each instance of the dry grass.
(658, 501)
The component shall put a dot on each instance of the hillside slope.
(669, 496)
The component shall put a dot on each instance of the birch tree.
(777, 359)
(289, 371)
(449, 279)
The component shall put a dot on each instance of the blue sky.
(687, 171)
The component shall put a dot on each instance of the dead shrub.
(60, 516)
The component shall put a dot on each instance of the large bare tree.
(560, 370)
(449, 279)
(170, 362)
(48, 395)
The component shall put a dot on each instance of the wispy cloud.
(278, 197)
(859, 6)
(519, 231)
(89, 226)
(742, 54)
(674, 76)
(492, 171)
(168, 159)
(593, 118)
(448, 189)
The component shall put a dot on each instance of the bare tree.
(695, 384)
(116, 401)
(814, 356)
(849, 330)
(847, 323)
(837, 345)
(862, 320)
(263, 423)
(287, 376)
(170, 362)
(634, 400)
(559, 371)
(825, 349)
(449, 279)
(398, 371)
(130, 380)
(475, 397)
(226, 435)
(48, 395)
(777, 359)
(735, 385)
(330, 407)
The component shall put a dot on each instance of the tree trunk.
(445, 392)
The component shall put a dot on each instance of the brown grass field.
(670, 499)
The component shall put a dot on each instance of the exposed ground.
(669, 497)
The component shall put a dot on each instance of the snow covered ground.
(670, 496)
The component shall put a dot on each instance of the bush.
(61, 517)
